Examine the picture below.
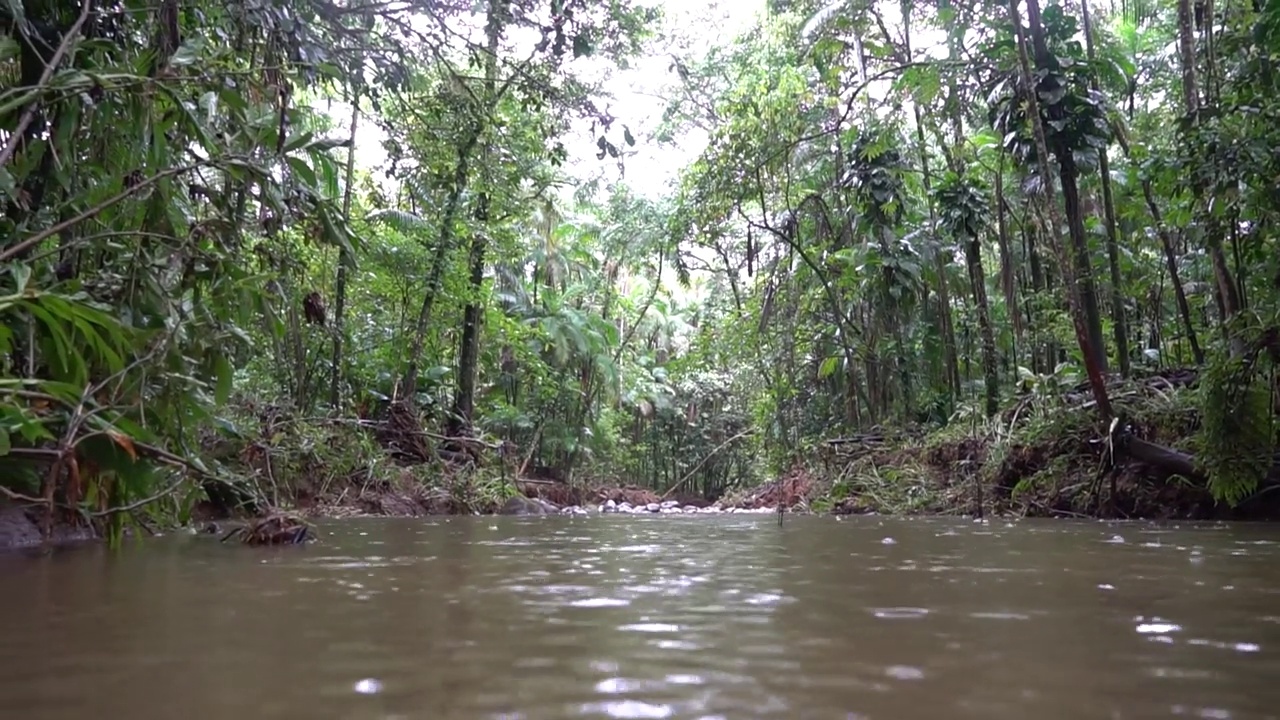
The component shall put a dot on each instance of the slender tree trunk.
(1118, 319)
(469, 347)
(1187, 53)
(951, 366)
(1038, 358)
(972, 248)
(461, 176)
(469, 351)
(344, 259)
(1228, 296)
(1008, 284)
(1083, 285)
(1092, 368)
(1171, 262)
(973, 259)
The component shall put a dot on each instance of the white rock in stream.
(667, 507)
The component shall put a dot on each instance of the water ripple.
(730, 617)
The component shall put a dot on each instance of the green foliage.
(963, 207)
(188, 251)
(1237, 436)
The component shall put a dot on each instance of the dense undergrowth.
(336, 467)
(1045, 456)
(329, 466)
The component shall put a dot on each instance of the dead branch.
(704, 460)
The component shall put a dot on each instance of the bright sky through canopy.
(638, 99)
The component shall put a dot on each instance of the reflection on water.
(663, 617)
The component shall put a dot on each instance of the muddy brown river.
(653, 617)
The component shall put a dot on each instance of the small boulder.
(521, 505)
(653, 507)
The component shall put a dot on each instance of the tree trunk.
(444, 241)
(951, 368)
(340, 284)
(1228, 296)
(1092, 369)
(1109, 213)
(1008, 284)
(1083, 284)
(1187, 53)
(973, 258)
(1171, 262)
(469, 352)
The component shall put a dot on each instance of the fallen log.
(1169, 461)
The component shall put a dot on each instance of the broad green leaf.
(184, 56)
(225, 373)
(302, 170)
(8, 187)
(828, 367)
(21, 274)
(298, 141)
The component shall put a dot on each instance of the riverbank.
(1044, 456)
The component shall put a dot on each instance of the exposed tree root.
(274, 529)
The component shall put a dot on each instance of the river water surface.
(653, 617)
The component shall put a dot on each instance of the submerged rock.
(19, 529)
(521, 505)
